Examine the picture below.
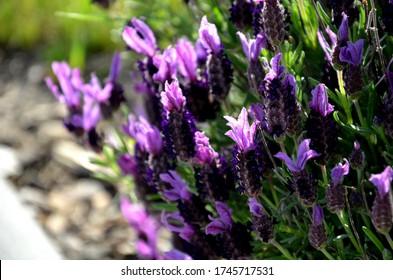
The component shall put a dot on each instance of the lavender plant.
(240, 193)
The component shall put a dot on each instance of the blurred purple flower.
(95, 91)
(166, 65)
(179, 225)
(339, 171)
(205, 154)
(115, 68)
(241, 132)
(304, 154)
(317, 215)
(320, 101)
(353, 53)
(209, 36)
(140, 38)
(252, 48)
(179, 187)
(221, 224)
(127, 164)
(382, 180)
(200, 52)
(187, 59)
(172, 98)
(255, 207)
(258, 114)
(176, 255)
(90, 116)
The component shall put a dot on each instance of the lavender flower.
(140, 38)
(321, 127)
(127, 164)
(317, 235)
(221, 224)
(339, 171)
(172, 98)
(178, 225)
(205, 154)
(187, 59)
(176, 255)
(209, 36)
(262, 224)
(335, 192)
(179, 188)
(382, 210)
(95, 91)
(303, 183)
(166, 65)
(353, 53)
(145, 227)
(357, 159)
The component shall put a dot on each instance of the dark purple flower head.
(389, 73)
(343, 31)
(70, 83)
(140, 38)
(166, 65)
(187, 59)
(221, 224)
(90, 117)
(353, 53)
(127, 164)
(326, 47)
(320, 101)
(172, 98)
(252, 48)
(95, 91)
(304, 154)
(115, 68)
(317, 215)
(178, 225)
(339, 171)
(258, 115)
(276, 70)
(209, 36)
(179, 187)
(148, 136)
(176, 255)
(255, 207)
(241, 132)
(205, 154)
(382, 181)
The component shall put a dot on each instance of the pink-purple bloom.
(353, 53)
(343, 31)
(339, 171)
(317, 215)
(176, 223)
(209, 36)
(255, 207)
(187, 59)
(326, 47)
(90, 116)
(166, 65)
(382, 180)
(205, 154)
(95, 91)
(127, 164)
(241, 132)
(179, 188)
(304, 154)
(221, 224)
(172, 98)
(140, 38)
(276, 70)
(252, 48)
(320, 101)
(258, 114)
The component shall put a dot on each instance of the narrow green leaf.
(321, 12)
(373, 238)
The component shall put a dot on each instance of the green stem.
(389, 240)
(281, 249)
(326, 253)
(344, 222)
(343, 97)
(324, 175)
(359, 112)
(273, 190)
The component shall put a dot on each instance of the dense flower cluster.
(225, 193)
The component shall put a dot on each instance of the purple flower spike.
(140, 38)
(209, 36)
(339, 172)
(326, 47)
(184, 229)
(382, 180)
(179, 188)
(127, 164)
(94, 90)
(276, 70)
(304, 154)
(187, 59)
(241, 132)
(115, 67)
(176, 255)
(221, 224)
(353, 53)
(252, 48)
(343, 31)
(317, 215)
(172, 98)
(320, 102)
(205, 154)
(166, 64)
(255, 207)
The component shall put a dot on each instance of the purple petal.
(327, 49)
(225, 213)
(353, 53)
(209, 36)
(127, 164)
(276, 70)
(252, 48)
(382, 180)
(54, 89)
(320, 101)
(115, 67)
(317, 215)
(245, 44)
(179, 187)
(140, 38)
(343, 31)
(176, 255)
(91, 114)
(288, 161)
(172, 98)
(166, 65)
(144, 250)
(356, 145)
(339, 171)
(304, 154)
(205, 154)
(134, 214)
(187, 59)
(216, 227)
(290, 83)
(200, 52)
(258, 115)
(241, 132)
(255, 207)
(185, 230)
